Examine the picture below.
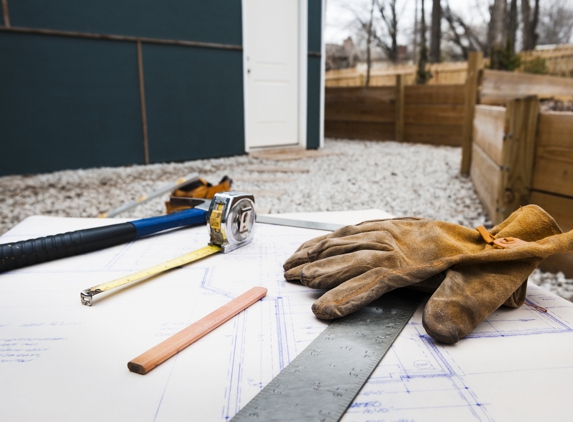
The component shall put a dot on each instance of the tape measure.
(323, 380)
(230, 220)
(87, 295)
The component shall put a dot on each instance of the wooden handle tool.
(174, 344)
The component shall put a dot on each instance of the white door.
(272, 65)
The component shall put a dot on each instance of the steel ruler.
(323, 380)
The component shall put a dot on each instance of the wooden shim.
(518, 154)
(435, 94)
(488, 131)
(399, 108)
(553, 171)
(435, 114)
(500, 86)
(486, 177)
(559, 208)
(360, 130)
(450, 135)
(475, 66)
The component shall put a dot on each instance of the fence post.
(475, 65)
(518, 155)
(399, 108)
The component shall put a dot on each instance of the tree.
(422, 75)
(501, 49)
(512, 25)
(368, 44)
(556, 22)
(436, 31)
(368, 29)
(529, 24)
(391, 24)
(497, 28)
(463, 36)
(415, 37)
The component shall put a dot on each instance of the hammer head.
(231, 220)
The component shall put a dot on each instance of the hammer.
(48, 248)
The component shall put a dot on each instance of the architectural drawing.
(61, 354)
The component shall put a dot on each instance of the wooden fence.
(559, 62)
(415, 113)
(518, 154)
(443, 74)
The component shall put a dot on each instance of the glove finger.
(359, 291)
(352, 295)
(293, 274)
(469, 294)
(300, 256)
(366, 228)
(320, 274)
(374, 241)
(312, 242)
(330, 272)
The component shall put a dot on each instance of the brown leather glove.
(199, 188)
(358, 264)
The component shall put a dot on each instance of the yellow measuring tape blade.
(196, 255)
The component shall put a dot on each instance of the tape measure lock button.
(232, 220)
(216, 216)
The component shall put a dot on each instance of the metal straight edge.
(323, 380)
(303, 224)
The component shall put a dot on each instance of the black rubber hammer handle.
(43, 249)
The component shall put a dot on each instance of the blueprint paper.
(62, 361)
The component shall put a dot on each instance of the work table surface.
(61, 361)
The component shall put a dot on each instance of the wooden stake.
(174, 344)
(5, 13)
(475, 67)
(142, 99)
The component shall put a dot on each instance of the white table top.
(61, 361)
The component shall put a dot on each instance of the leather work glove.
(471, 272)
(198, 189)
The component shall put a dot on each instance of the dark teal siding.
(313, 74)
(194, 102)
(313, 103)
(216, 21)
(314, 25)
(67, 103)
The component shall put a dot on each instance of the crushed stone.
(400, 178)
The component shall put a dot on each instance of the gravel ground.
(400, 178)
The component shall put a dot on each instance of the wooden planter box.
(521, 156)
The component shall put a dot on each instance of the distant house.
(341, 56)
(118, 82)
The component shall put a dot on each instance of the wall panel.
(216, 21)
(67, 103)
(194, 100)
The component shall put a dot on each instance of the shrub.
(537, 65)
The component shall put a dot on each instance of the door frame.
(302, 77)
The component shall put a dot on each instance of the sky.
(340, 14)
